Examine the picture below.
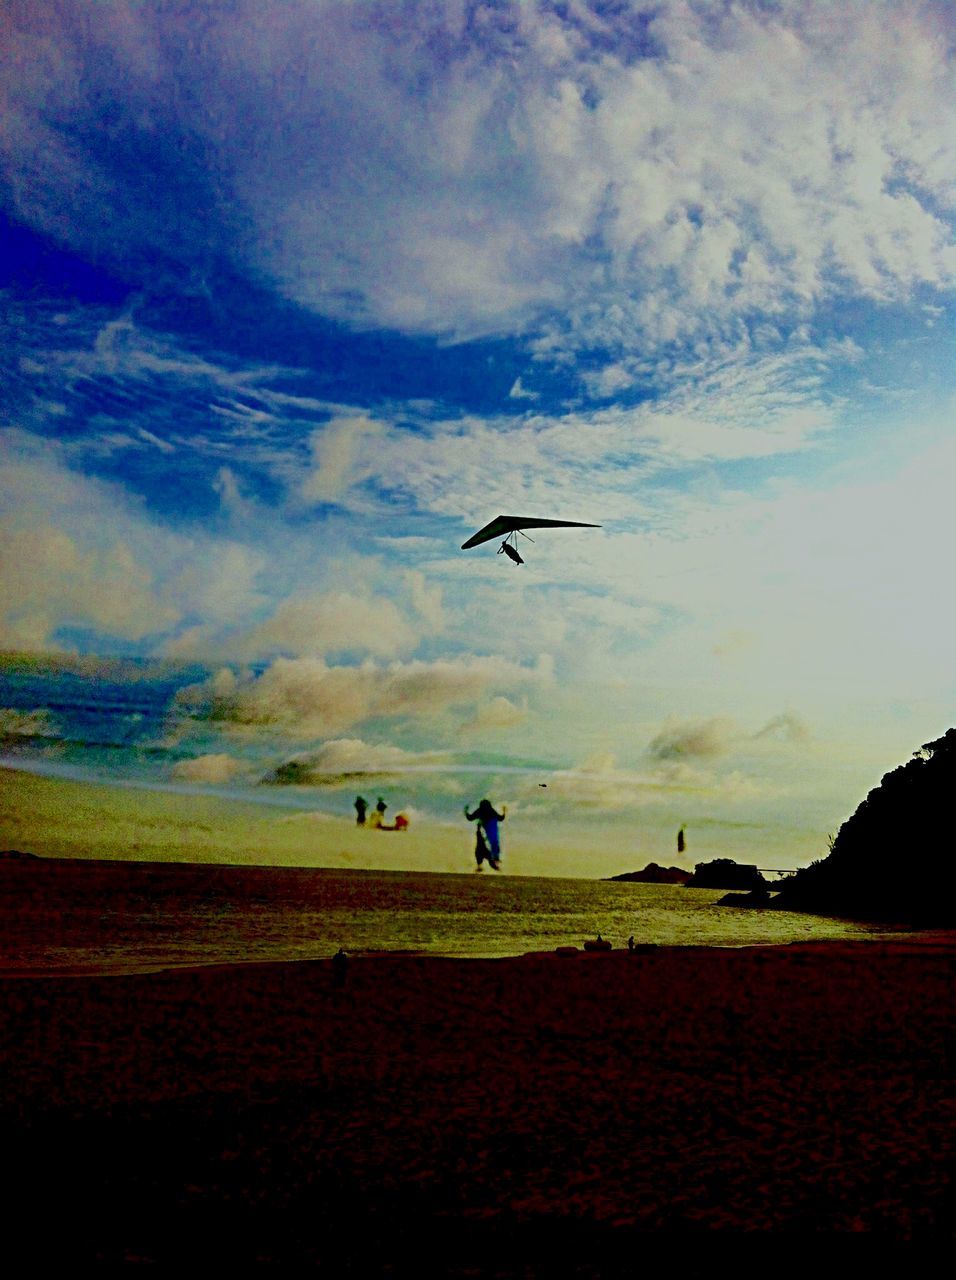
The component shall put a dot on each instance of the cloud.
(319, 623)
(27, 724)
(50, 580)
(214, 768)
(683, 740)
(426, 599)
(78, 551)
(518, 392)
(497, 713)
(326, 623)
(600, 784)
(343, 759)
(785, 727)
(234, 503)
(608, 381)
(308, 697)
(91, 667)
(342, 457)
(595, 784)
(733, 644)
(697, 739)
(630, 170)
(595, 464)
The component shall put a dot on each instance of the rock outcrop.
(724, 873)
(655, 874)
(755, 898)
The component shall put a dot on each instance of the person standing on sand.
(361, 804)
(487, 841)
(340, 968)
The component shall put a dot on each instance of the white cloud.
(236, 506)
(49, 580)
(465, 179)
(328, 622)
(78, 551)
(498, 713)
(518, 392)
(343, 453)
(213, 768)
(608, 381)
(594, 465)
(307, 697)
(426, 599)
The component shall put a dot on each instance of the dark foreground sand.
(761, 1110)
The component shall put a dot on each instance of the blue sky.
(299, 295)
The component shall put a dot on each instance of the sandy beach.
(62, 818)
(777, 1105)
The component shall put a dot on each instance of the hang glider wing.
(502, 525)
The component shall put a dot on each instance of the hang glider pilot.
(512, 526)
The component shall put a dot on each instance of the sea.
(85, 917)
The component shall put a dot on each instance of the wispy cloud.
(618, 208)
(694, 739)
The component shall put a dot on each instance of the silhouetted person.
(361, 805)
(680, 840)
(487, 841)
(380, 808)
(340, 968)
(481, 848)
(630, 943)
(510, 552)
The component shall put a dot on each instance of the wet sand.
(765, 1108)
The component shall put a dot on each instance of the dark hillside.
(893, 859)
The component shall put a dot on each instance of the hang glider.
(511, 526)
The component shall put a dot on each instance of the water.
(80, 916)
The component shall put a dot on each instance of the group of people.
(487, 835)
(376, 819)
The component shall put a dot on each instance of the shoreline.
(922, 943)
(89, 916)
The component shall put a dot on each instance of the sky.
(296, 296)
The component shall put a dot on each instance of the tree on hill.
(893, 859)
